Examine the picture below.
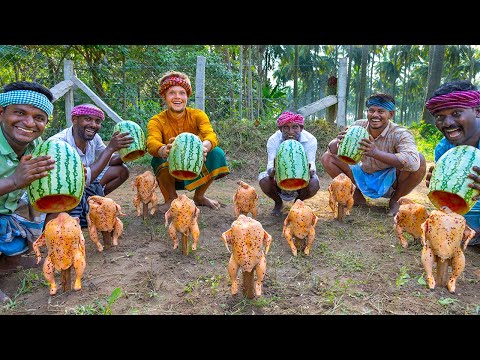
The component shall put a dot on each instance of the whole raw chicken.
(145, 184)
(442, 237)
(245, 200)
(300, 224)
(341, 191)
(103, 216)
(409, 219)
(184, 215)
(247, 238)
(66, 248)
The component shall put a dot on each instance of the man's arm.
(117, 142)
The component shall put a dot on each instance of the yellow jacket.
(162, 127)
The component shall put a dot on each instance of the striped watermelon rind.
(62, 189)
(185, 160)
(139, 146)
(348, 150)
(291, 166)
(449, 182)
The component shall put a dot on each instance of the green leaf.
(447, 301)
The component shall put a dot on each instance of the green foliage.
(447, 301)
(427, 137)
(403, 277)
(99, 307)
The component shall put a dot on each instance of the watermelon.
(449, 181)
(185, 159)
(291, 166)
(348, 150)
(139, 146)
(62, 189)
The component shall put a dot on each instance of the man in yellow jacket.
(162, 128)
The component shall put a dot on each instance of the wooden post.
(342, 93)
(145, 210)
(66, 281)
(68, 74)
(200, 84)
(107, 239)
(442, 272)
(248, 284)
(185, 244)
(340, 212)
(99, 102)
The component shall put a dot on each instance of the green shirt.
(8, 163)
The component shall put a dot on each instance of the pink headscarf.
(289, 116)
(88, 109)
(456, 99)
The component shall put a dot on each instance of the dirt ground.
(354, 267)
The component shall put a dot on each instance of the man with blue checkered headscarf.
(391, 165)
(25, 108)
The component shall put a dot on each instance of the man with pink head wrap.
(455, 107)
(290, 126)
(105, 170)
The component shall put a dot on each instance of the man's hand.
(368, 147)
(120, 140)
(476, 181)
(30, 170)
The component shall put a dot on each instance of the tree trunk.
(295, 80)
(363, 82)
(331, 111)
(434, 77)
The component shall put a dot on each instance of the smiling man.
(391, 165)
(455, 106)
(175, 89)
(105, 170)
(290, 127)
(24, 111)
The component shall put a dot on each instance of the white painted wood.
(61, 88)
(99, 102)
(200, 83)
(318, 105)
(69, 74)
(342, 93)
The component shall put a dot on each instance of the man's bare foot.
(358, 198)
(393, 205)
(204, 201)
(277, 209)
(164, 207)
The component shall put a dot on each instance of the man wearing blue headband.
(24, 111)
(391, 165)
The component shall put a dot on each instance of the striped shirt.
(394, 139)
(8, 164)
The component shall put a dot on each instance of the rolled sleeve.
(407, 153)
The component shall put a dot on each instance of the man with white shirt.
(290, 126)
(105, 170)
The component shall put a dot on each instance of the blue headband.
(27, 97)
(388, 105)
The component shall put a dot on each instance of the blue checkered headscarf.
(27, 97)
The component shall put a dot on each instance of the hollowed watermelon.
(62, 189)
(449, 181)
(139, 146)
(291, 166)
(348, 150)
(185, 159)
